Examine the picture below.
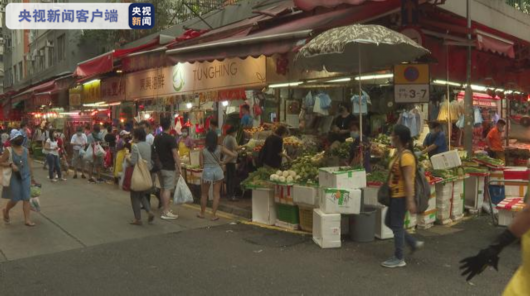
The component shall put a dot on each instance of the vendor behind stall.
(272, 152)
(246, 119)
(355, 155)
(435, 142)
(494, 140)
(340, 130)
(185, 143)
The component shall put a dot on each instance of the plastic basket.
(497, 194)
(287, 213)
(306, 219)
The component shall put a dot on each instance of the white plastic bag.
(35, 204)
(182, 193)
(99, 151)
(89, 154)
(122, 174)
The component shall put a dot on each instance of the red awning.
(494, 44)
(308, 5)
(277, 40)
(105, 62)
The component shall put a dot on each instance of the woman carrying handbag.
(140, 152)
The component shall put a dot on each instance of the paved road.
(83, 246)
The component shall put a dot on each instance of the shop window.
(51, 53)
(61, 48)
(20, 71)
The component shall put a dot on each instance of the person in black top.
(340, 130)
(272, 152)
(168, 158)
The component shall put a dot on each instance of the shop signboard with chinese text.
(187, 78)
(411, 83)
(74, 96)
(91, 92)
(113, 89)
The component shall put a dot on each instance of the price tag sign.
(411, 93)
(411, 83)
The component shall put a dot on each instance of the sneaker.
(54, 180)
(394, 262)
(75, 176)
(418, 246)
(92, 181)
(169, 216)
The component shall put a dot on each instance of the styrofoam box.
(381, 230)
(446, 160)
(432, 204)
(333, 178)
(370, 196)
(305, 195)
(263, 207)
(506, 217)
(426, 218)
(410, 220)
(326, 229)
(340, 201)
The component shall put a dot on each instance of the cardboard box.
(306, 196)
(332, 177)
(340, 201)
(263, 207)
(326, 229)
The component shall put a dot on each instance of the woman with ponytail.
(401, 183)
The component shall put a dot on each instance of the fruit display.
(254, 130)
(292, 141)
(382, 139)
(258, 179)
(306, 168)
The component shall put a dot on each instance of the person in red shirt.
(494, 140)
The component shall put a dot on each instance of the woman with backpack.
(401, 184)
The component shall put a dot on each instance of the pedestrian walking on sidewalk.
(17, 158)
(169, 161)
(78, 142)
(401, 183)
(140, 149)
(52, 157)
(212, 174)
(96, 162)
(150, 139)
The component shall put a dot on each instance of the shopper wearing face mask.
(355, 149)
(185, 143)
(494, 140)
(435, 142)
(340, 130)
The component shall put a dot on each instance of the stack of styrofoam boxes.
(370, 199)
(457, 209)
(444, 194)
(474, 192)
(326, 229)
(516, 181)
(508, 209)
(426, 220)
(340, 193)
(263, 208)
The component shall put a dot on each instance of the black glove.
(471, 266)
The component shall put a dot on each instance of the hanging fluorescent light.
(225, 103)
(189, 105)
(280, 85)
(508, 92)
(499, 89)
(478, 87)
(443, 82)
(377, 76)
(91, 81)
(346, 79)
(311, 81)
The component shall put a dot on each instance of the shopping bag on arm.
(7, 172)
(141, 177)
(182, 193)
(127, 177)
(89, 154)
(99, 151)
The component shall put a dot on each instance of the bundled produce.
(284, 177)
(258, 179)
(488, 160)
(292, 141)
(377, 176)
(306, 168)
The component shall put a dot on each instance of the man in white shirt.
(150, 138)
(78, 142)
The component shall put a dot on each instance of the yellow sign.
(411, 74)
(74, 96)
(91, 92)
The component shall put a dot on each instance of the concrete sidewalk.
(76, 214)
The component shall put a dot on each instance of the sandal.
(136, 222)
(214, 218)
(5, 216)
(200, 216)
(30, 224)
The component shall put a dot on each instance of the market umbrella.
(357, 48)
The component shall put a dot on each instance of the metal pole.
(447, 97)
(361, 148)
(468, 99)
